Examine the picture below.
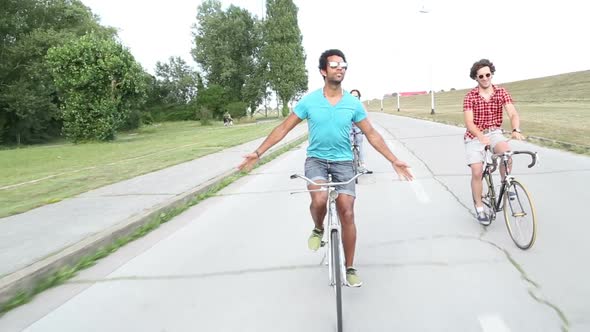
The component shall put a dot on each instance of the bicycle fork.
(334, 225)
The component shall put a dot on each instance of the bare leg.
(345, 207)
(501, 148)
(317, 208)
(476, 184)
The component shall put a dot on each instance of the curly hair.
(357, 91)
(324, 57)
(480, 64)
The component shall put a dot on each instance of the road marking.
(492, 323)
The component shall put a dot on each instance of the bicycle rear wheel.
(520, 216)
(337, 270)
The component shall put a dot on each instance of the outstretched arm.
(273, 138)
(377, 141)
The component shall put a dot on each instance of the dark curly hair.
(480, 64)
(324, 57)
(357, 91)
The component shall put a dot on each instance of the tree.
(213, 99)
(255, 87)
(99, 83)
(177, 79)
(283, 51)
(29, 110)
(226, 43)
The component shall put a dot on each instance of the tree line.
(63, 74)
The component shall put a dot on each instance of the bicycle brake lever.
(293, 176)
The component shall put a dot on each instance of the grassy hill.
(554, 110)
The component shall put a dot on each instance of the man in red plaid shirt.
(482, 110)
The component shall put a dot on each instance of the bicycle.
(519, 211)
(333, 238)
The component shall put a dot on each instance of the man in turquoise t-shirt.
(330, 112)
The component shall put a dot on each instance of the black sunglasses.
(487, 75)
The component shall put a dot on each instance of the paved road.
(238, 261)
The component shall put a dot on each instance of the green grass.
(554, 110)
(64, 170)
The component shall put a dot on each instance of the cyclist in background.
(356, 136)
(482, 111)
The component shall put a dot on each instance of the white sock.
(479, 208)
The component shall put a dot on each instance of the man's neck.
(487, 90)
(331, 91)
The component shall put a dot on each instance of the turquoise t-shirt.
(329, 126)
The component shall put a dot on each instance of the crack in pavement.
(267, 270)
(198, 275)
(535, 289)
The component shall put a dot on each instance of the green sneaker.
(315, 239)
(352, 278)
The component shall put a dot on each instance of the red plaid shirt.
(486, 113)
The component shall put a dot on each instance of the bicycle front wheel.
(337, 270)
(520, 216)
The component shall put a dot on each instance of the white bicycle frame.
(334, 225)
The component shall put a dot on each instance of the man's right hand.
(249, 162)
(403, 170)
(483, 139)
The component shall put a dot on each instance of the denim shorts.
(318, 169)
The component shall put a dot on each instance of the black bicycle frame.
(497, 199)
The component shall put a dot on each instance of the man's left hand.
(518, 136)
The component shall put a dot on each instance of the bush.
(99, 83)
(131, 121)
(285, 111)
(204, 115)
(237, 109)
(98, 121)
(165, 113)
(146, 118)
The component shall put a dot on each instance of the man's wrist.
(257, 154)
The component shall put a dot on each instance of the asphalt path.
(239, 261)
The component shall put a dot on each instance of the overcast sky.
(390, 46)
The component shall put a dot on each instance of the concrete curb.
(27, 278)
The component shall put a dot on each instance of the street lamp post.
(424, 10)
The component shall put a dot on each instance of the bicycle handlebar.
(330, 184)
(508, 154)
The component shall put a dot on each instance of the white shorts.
(474, 149)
